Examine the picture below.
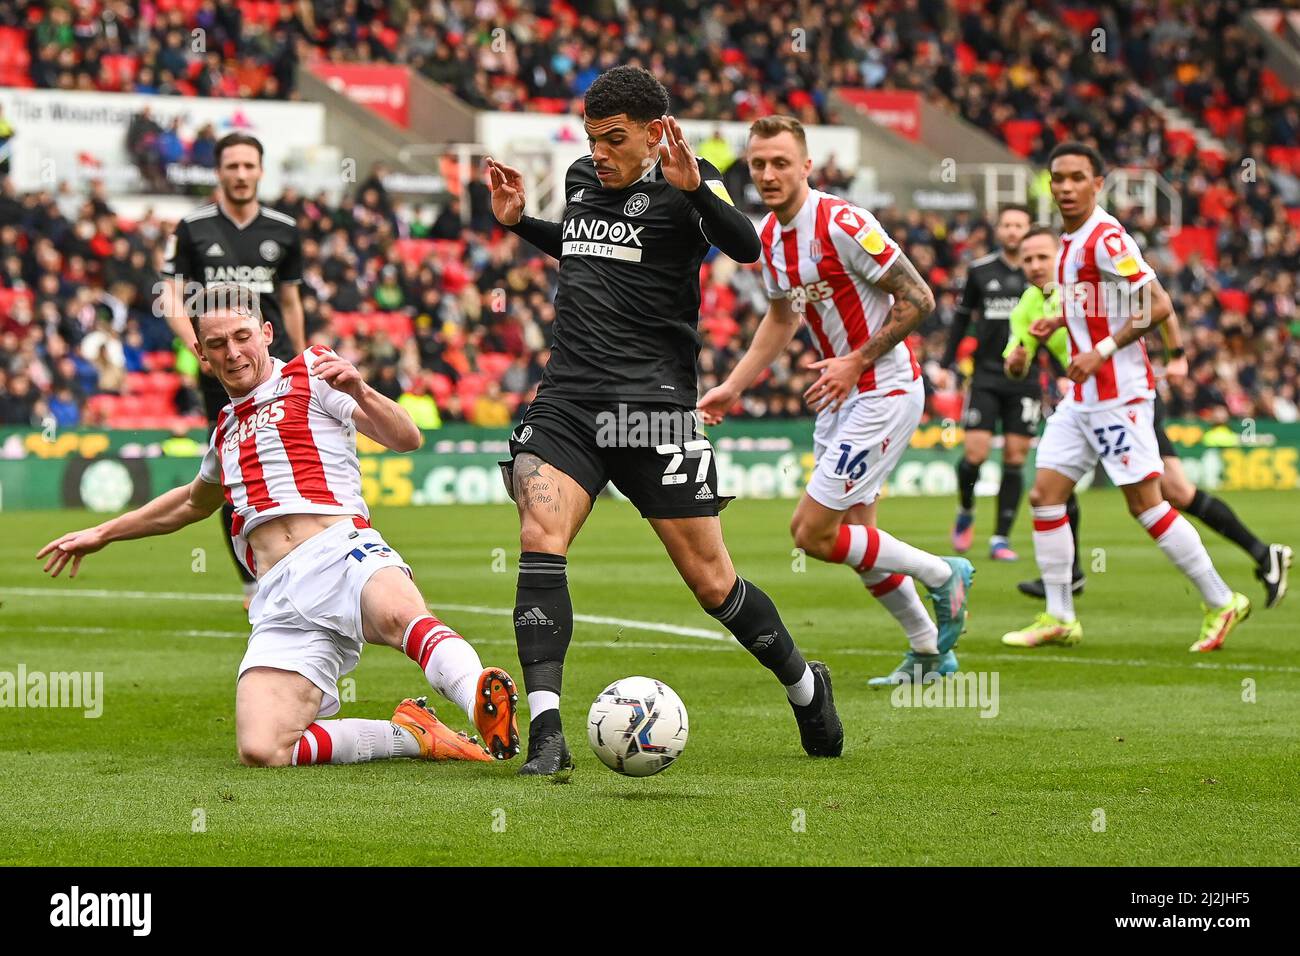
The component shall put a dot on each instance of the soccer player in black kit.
(642, 211)
(236, 239)
(994, 285)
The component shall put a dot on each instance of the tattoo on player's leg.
(532, 489)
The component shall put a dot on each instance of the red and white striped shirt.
(1099, 269)
(288, 447)
(830, 257)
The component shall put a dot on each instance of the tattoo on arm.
(913, 301)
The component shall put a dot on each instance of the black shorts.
(1014, 411)
(1167, 449)
(653, 453)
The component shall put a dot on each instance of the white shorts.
(1122, 438)
(859, 446)
(306, 615)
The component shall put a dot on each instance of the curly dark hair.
(627, 89)
(1078, 149)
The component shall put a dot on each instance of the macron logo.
(74, 909)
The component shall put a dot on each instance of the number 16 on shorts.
(699, 448)
(851, 465)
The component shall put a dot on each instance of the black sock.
(1072, 512)
(543, 628)
(227, 515)
(752, 618)
(967, 475)
(1009, 492)
(1217, 515)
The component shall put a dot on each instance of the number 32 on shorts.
(678, 453)
(1120, 436)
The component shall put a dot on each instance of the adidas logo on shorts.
(704, 494)
(533, 616)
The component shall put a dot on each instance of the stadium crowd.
(474, 326)
(474, 319)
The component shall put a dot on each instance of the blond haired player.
(283, 453)
(1110, 298)
(833, 264)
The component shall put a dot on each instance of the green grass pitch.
(1167, 748)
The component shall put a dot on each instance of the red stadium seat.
(15, 61)
(494, 364)
(397, 325)
(441, 387)
(1202, 239)
(544, 104)
(1020, 135)
(1285, 157)
(1180, 142)
(947, 405)
(469, 388)
(344, 324)
(446, 249)
(159, 361)
(164, 384)
(1225, 122)
(101, 406)
(1234, 299)
(415, 251)
(137, 383)
(9, 296)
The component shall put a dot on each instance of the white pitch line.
(652, 626)
(490, 642)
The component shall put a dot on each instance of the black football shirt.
(628, 299)
(993, 288)
(208, 247)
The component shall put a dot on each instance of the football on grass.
(637, 726)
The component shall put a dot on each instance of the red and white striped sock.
(866, 548)
(897, 592)
(449, 662)
(353, 741)
(1054, 551)
(1183, 546)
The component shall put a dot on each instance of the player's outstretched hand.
(339, 373)
(838, 380)
(677, 159)
(72, 546)
(715, 404)
(507, 186)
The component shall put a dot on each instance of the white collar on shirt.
(1088, 225)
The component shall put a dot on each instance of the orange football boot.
(495, 713)
(437, 741)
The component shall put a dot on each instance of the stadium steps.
(1183, 134)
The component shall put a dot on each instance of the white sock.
(353, 740)
(897, 592)
(449, 662)
(1054, 550)
(865, 548)
(801, 691)
(1183, 546)
(540, 701)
